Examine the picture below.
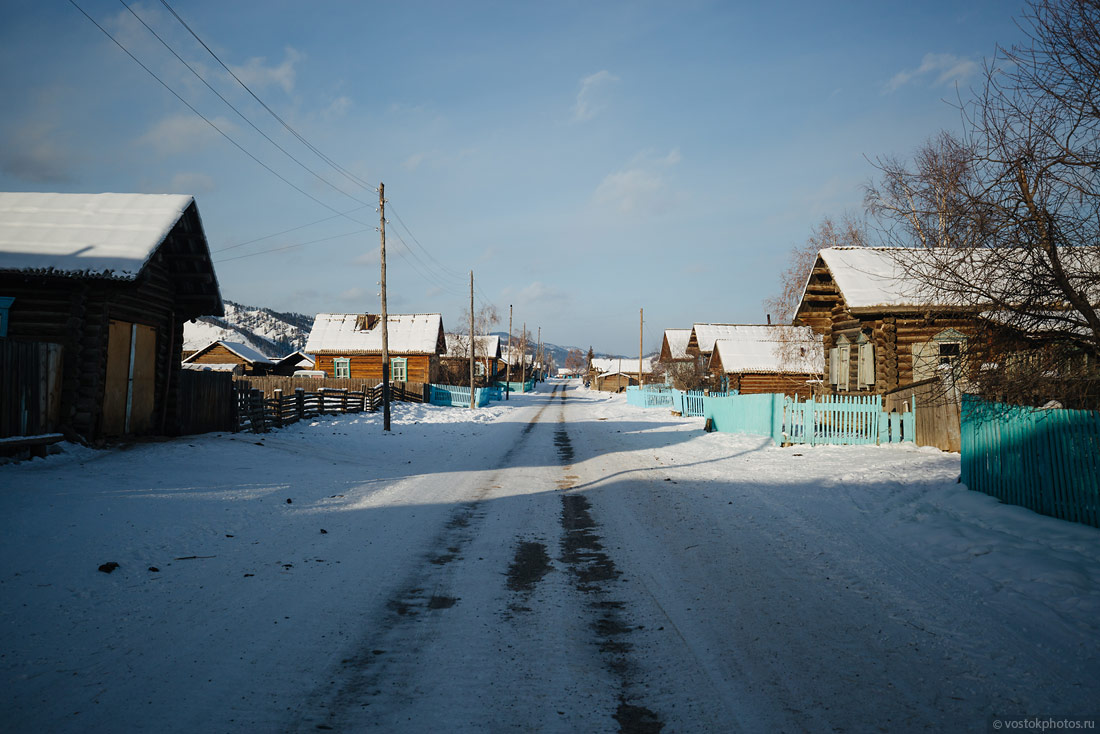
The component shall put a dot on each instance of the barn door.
(131, 379)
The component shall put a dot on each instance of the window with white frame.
(341, 367)
(399, 369)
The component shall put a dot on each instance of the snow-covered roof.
(345, 333)
(213, 367)
(299, 360)
(86, 235)
(484, 346)
(245, 352)
(761, 348)
(677, 340)
(707, 334)
(628, 365)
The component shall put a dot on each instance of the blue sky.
(585, 159)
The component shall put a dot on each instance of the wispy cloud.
(191, 183)
(639, 187)
(935, 70)
(256, 73)
(589, 98)
(338, 108)
(183, 133)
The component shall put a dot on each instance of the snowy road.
(560, 562)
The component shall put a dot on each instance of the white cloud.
(413, 161)
(183, 133)
(935, 70)
(589, 97)
(338, 108)
(33, 153)
(255, 73)
(640, 187)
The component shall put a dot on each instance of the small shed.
(769, 359)
(293, 362)
(350, 345)
(108, 280)
(615, 381)
(251, 361)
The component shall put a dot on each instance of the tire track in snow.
(594, 576)
(385, 654)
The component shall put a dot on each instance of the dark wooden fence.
(207, 402)
(263, 403)
(30, 388)
(936, 412)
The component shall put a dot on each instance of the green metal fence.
(1047, 460)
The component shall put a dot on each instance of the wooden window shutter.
(865, 370)
(844, 378)
(925, 358)
(834, 365)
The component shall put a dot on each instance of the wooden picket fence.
(259, 411)
(1047, 460)
(30, 387)
(458, 396)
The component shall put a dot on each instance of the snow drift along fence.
(1045, 460)
(651, 396)
(458, 396)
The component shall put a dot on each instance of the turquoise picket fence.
(518, 386)
(837, 420)
(651, 396)
(1046, 460)
(457, 396)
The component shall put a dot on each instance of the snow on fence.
(458, 396)
(1047, 460)
(257, 412)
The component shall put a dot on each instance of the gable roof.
(627, 365)
(345, 333)
(245, 352)
(772, 349)
(85, 235)
(484, 346)
(299, 359)
(675, 343)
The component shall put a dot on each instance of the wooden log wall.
(368, 367)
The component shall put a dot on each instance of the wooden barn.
(769, 359)
(878, 331)
(235, 356)
(615, 381)
(487, 359)
(107, 282)
(350, 345)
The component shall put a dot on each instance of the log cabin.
(350, 345)
(247, 360)
(768, 359)
(293, 362)
(487, 359)
(879, 330)
(110, 279)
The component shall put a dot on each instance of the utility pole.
(508, 362)
(523, 355)
(538, 352)
(473, 349)
(385, 314)
(640, 323)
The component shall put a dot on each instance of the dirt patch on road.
(530, 564)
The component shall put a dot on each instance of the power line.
(189, 106)
(231, 106)
(292, 229)
(347, 174)
(291, 247)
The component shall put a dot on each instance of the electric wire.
(347, 174)
(231, 106)
(291, 247)
(191, 107)
(288, 231)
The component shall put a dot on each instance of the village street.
(559, 562)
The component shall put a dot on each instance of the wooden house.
(109, 279)
(293, 362)
(674, 346)
(769, 359)
(350, 345)
(487, 359)
(879, 330)
(614, 381)
(603, 369)
(237, 357)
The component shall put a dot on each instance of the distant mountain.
(273, 333)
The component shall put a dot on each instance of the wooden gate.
(130, 387)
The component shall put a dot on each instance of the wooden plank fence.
(1047, 460)
(30, 388)
(458, 396)
(206, 402)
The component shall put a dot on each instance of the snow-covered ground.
(558, 562)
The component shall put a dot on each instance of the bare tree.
(848, 231)
(1008, 213)
(574, 360)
